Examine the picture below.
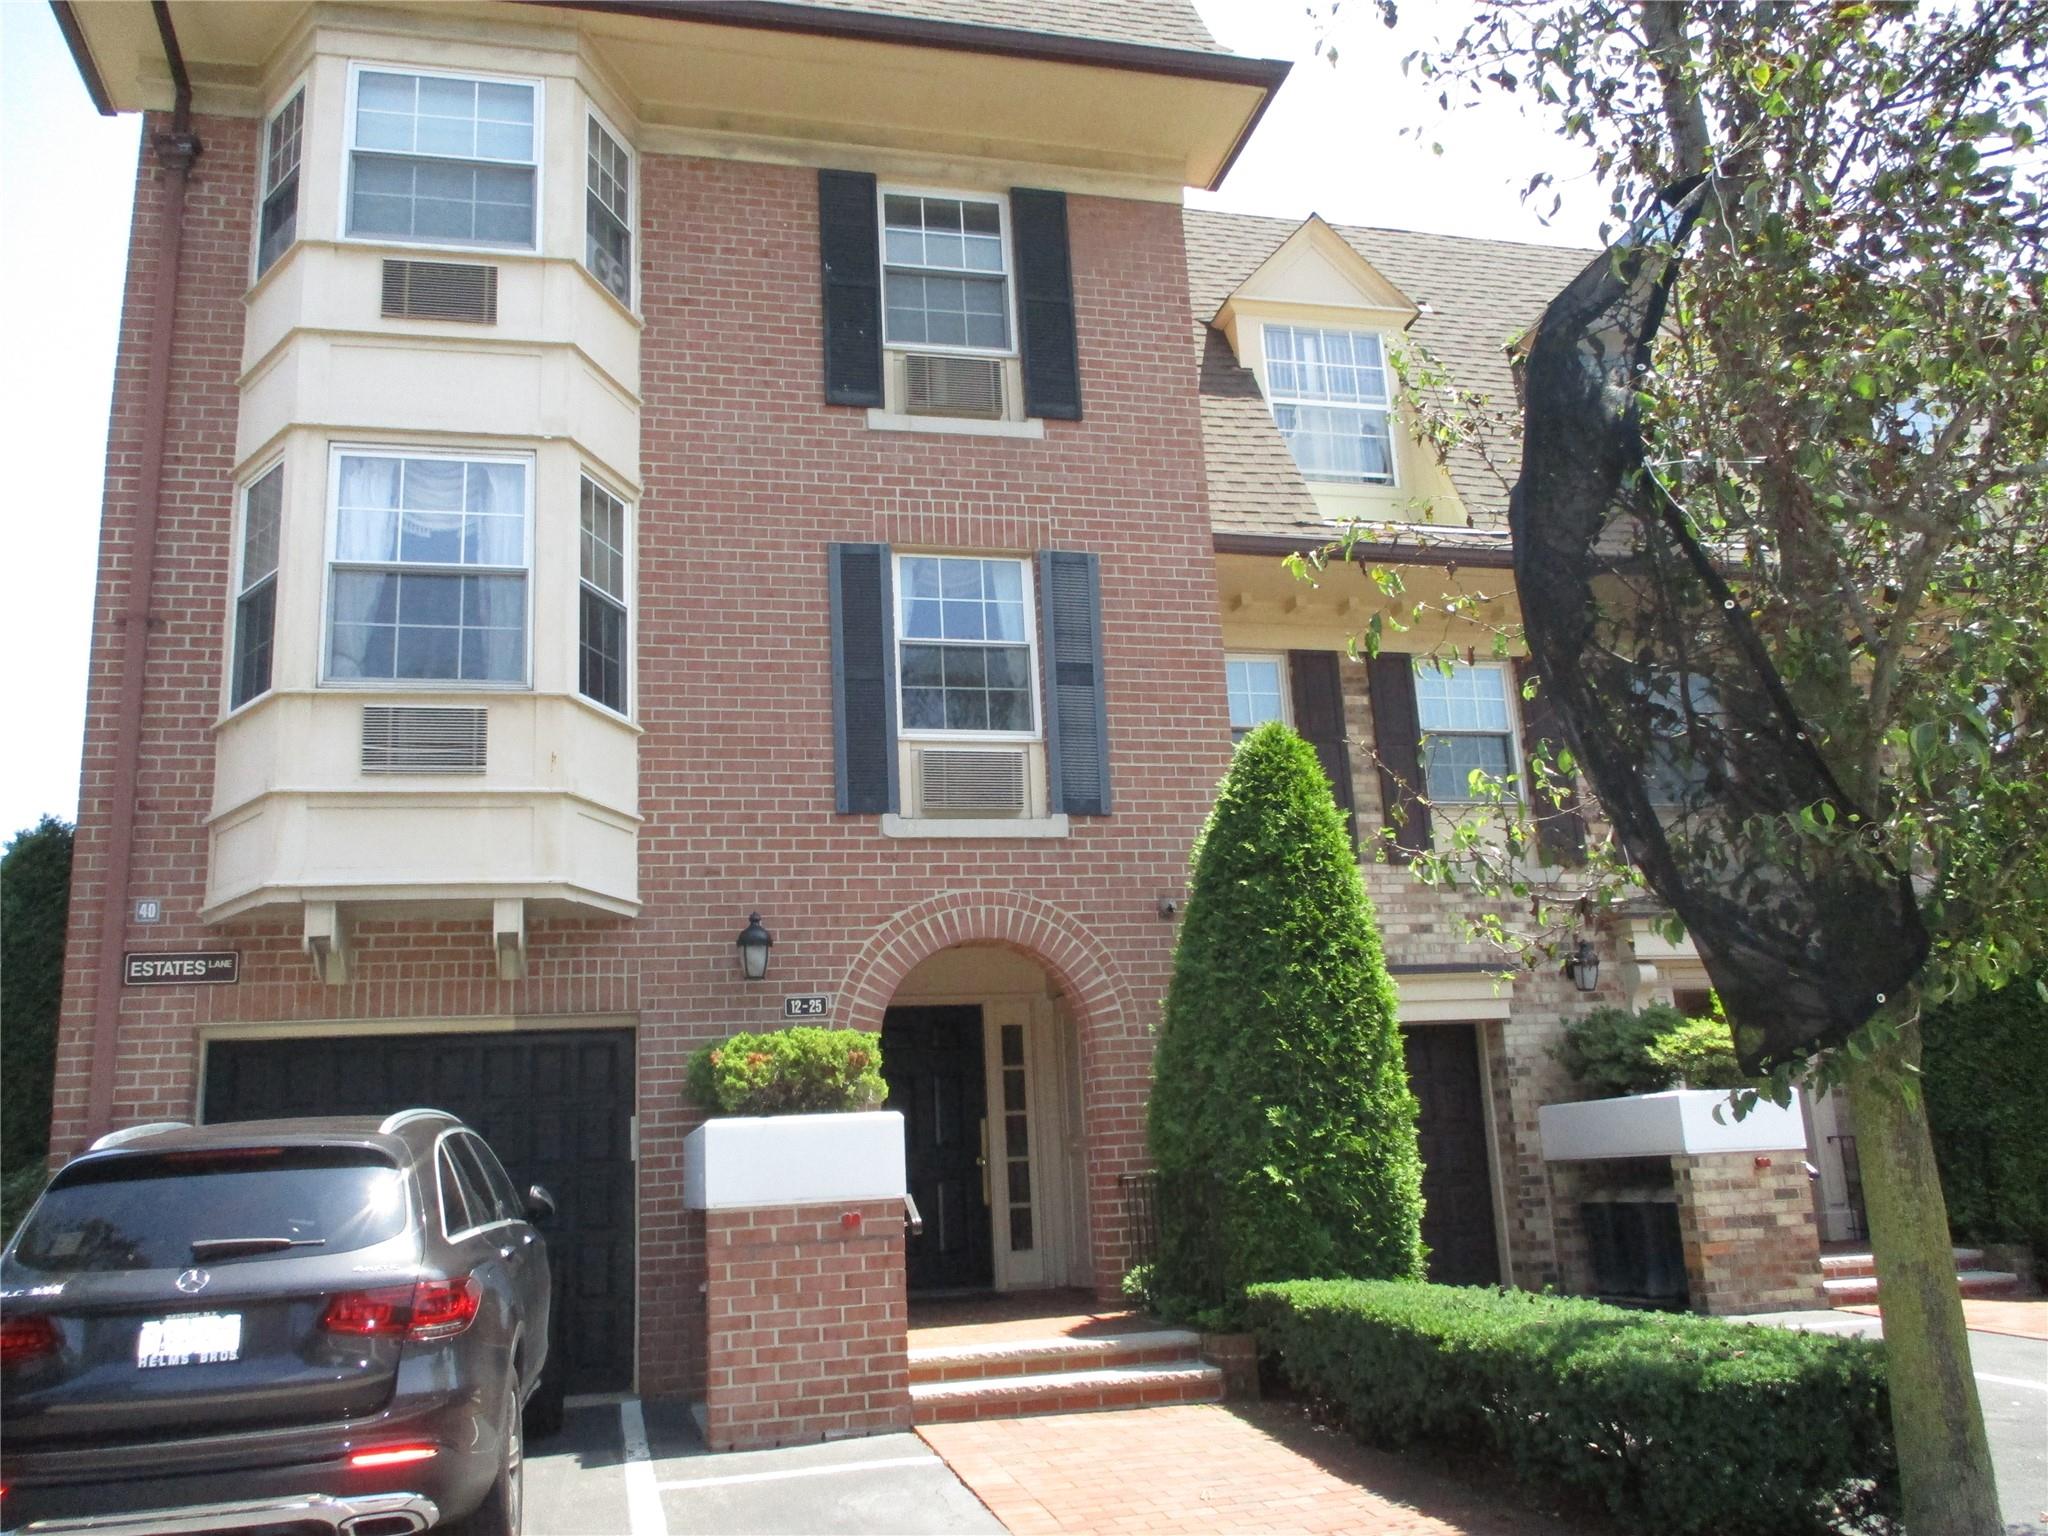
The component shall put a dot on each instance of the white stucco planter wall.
(735, 1163)
(1674, 1123)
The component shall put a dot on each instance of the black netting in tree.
(1668, 697)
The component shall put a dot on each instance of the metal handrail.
(913, 1221)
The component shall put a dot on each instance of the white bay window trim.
(914, 629)
(418, 547)
(922, 267)
(497, 157)
(1331, 394)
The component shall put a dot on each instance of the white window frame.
(300, 91)
(632, 299)
(1274, 400)
(1279, 660)
(624, 600)
(335, 454)
(356, 69)
(897, 640)
(1001, 200)
(1509, 696)
(241, 588)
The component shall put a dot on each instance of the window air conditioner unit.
(940, 384)
(953, 781)
(406, 738)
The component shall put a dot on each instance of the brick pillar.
(1751, 1244)
(806, 1322)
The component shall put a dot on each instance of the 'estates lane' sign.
(207, 967)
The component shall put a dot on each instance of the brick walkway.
(2023, 1319)
(1018, 1317)
(1238, 1467)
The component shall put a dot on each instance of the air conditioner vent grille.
(441, 290)
(955, 782)
(940, 384)
(407, 738)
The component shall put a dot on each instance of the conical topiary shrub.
(1282, 1124)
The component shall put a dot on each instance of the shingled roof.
(1477, 297)
(1148, 23)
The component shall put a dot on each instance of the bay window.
(278, 219)
(428, 568)
(601, 614)
(443, 159)
(945, 273)
(608, 211)
(256, 587)
(965, 638)
(1466, 726)
(1331, 399)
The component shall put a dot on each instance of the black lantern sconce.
(753, 943)
(1583, 965)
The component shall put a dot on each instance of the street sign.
(204, 967)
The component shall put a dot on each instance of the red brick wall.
(807, 1324)
(748, 476)
(1751, 1241)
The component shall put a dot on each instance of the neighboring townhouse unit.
(590, 479)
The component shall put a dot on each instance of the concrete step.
(1009, 1397)
(1975, 1284)
(1850, 1266)
(1048, 1356)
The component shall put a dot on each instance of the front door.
(1457, 1183)
(933, 1062)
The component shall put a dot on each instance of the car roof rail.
(407, 1116)
(129, 1133)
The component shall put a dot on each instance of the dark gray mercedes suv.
(326, 1325)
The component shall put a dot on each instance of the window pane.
(430, 538)
(924, 709)
(1009, 711)
(966, 711)
(921, 575)
(1450, 760)
(603, 651)
(255, 623)
(1253, 685)
(430, 600)
(924, 666)
(260, 527)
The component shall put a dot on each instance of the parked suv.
(303, 1325)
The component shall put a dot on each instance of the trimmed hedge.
(1281, 1121)
(1677, 1424)
(1615, 1051)
(1985, 1066)
(802, 1071)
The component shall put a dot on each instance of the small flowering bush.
(802, 1071)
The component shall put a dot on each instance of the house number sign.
(208, 967)
(811, 1005)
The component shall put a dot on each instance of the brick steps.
(961, 1383)
(1850, 1279)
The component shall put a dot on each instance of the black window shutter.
(850, 249)
(1397, 740)
(1560, 828)
(1076, 710)
(1318, 697)
(1045, 303)
(863, 679)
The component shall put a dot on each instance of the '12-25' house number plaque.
(811, 1005)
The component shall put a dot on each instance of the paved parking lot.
(624, 1469)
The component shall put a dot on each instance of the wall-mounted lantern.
(753, 943)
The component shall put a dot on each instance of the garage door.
(1457, 1183)
(556, 1107)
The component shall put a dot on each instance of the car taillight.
(27, 1338)
(393, 1456)
(429, 1309)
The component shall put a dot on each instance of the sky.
(1331, 143)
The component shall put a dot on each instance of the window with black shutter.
(863, 679)
(1045, 304)
(1318, 698)
(1076, 714)
(849, 249)
(1397, 743)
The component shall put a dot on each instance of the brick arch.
(1084, 969)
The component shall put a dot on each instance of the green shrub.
(1985, 1065)
(18, 1190)
(1281, 1122)
(1677, 1424)
(1614, 1051)
(802, 1071)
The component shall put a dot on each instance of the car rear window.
(146, 1211)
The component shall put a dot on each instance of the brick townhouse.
(589, 479)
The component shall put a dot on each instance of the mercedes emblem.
(192, 1281)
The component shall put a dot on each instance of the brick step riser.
(991, 1405)
(1049, 1363)
(1861, 1290)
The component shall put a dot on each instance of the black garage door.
(1457, 1184)
(556, 1107)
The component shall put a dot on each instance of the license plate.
(197, 1338)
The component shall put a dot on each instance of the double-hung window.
(964, 638)
(1257, 686)
(1466, 726)
(278, 221)
(445, 159)
(601, 623)
(945, 273)
(608, 211)
(1331, 400)
(256, 587)
(429, 568)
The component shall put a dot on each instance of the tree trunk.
(1944, 1456)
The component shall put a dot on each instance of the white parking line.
(2013, 1381)
(826, 1471)
(643, 1494)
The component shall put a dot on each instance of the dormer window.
(1332, 402)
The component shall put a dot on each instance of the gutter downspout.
(175, 153)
